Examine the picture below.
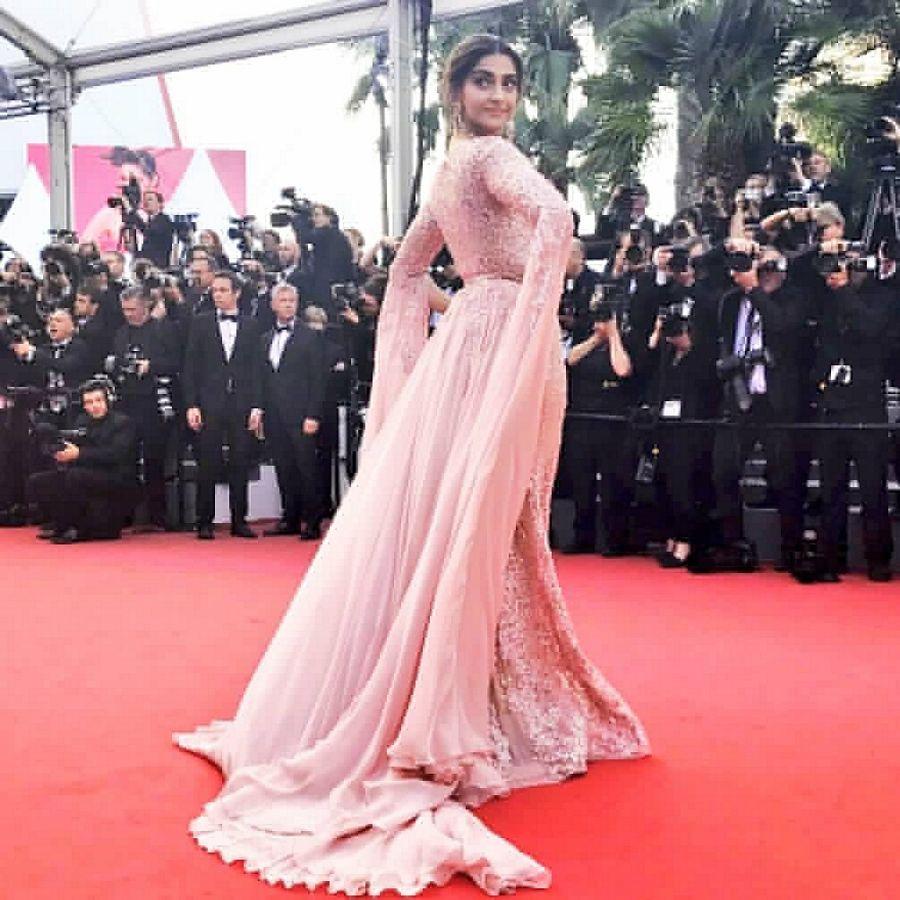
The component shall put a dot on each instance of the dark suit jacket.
(109, 445)
(158, 232)
(206, 375)
(158, 343)
(783, 315)
(74, 364)
(297, 390)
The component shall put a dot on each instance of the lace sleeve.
(403, 320)
(512, 181)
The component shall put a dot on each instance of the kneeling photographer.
(144, 366)
(850, 372)
(759, 329)
(88, 494)
(600, 381)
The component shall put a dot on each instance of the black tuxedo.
(783, 315)
(293, 392)
(225, 391)
(59, 371)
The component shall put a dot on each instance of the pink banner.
(101, 172)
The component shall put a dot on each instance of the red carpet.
(774, 712)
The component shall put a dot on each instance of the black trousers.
(871, 451)
(297, 469)
(91, 500)
(154, 440)
(226, 427)
(783, 464)
(688, 493)
(606, 448)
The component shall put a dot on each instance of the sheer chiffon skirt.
(427, 662)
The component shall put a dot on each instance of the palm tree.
(371, 85)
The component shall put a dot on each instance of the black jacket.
(783, 315)
(208, 379)
(296, 391)
(332, 264)
(158, 232)
(577, 294)
(109, 445)
(853, 331)
(73, 364)
(155, 341)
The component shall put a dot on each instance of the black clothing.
(782, 314)
(332, 263)
(850, 374)
(59, 369)
(225, 391)
(156, 342)
(604, 447)
(577, 294)
(98, 340)
(92, 494)
(158, 232)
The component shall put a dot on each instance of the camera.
(93, 268)
(165, 405)
(129, 198)
(828, 263)
(346, 296)
(676, 317)
(735, 370)
(51, 439)
(680, 260)
(738, 261)
(786, 149)
(185, 226)
(15, 330)
(608, 300)
(295, 212)
(770, 266)
(240, 230)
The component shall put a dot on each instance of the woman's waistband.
(472, 279)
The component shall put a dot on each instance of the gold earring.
(509, 130)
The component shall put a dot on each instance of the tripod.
(882, 205)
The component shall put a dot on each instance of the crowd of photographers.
(767, 325)
(116, 366)
(773, 317)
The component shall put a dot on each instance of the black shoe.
(69, 536)
(280, 529)
(205, 532)
(310, 533)
(829, 577)
(669, 560)
(880, 572)
(614, 552)
(47, 532)
(242, 530)
(13, 517)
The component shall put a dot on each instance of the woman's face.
(489, 95)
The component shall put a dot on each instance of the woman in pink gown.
(427, 662)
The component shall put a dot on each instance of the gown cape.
(427, 662)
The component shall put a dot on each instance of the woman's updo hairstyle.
(464, 59)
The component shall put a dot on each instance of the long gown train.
(427, 662)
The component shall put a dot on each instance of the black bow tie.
(280, 328)
(228, 317)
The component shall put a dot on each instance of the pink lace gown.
(427, 662)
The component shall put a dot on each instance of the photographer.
(223, 395)
(144, 365)
(89, 493)
(683, 386)
(58, 367)
(199, 292)
(600, 370)
(89, 325)
(254, 301)
(850, 377)
(332, 260)
(627, 210)
(156, 227)
(578, 288)
(816, 180)
(293, 395)
(759, 329)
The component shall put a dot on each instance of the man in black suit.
(87, 494)
(578, 289)
(850, 373)
(817, 179)
(198, 295)
(293, 394)
(89, 325)
(146, 362)
(157, 229)
(332, 261)
(58, 367)
(760, 316)
(223, 396)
